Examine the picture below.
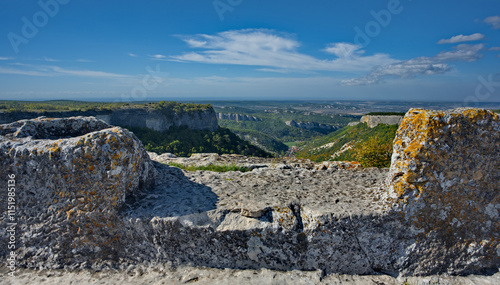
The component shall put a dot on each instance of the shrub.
(374, 153)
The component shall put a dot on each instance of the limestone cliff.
(157, 120)
(311, 125)
(237, 117)
(373, 121)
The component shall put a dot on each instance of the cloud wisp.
(493, 21)
(419, 66)
(462, 38)
(50, 70)
(271, 51)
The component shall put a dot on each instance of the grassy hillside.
(272, 131)
(182, 141)
(323, 148)
(262, 140)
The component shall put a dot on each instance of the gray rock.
(444, 180)
(373, 121)
(132, 117)
(344, 220)
(71, 178)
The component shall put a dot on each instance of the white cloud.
(462, 52)
(419, 66)
(494, 48)
(6, 58)
(462, 38)
(344, 50)
(273, 52)
(158, 56)
(46, 70)
(195, 43)
(16, 71)
(493, 21)
(132, 54)
(84, 60)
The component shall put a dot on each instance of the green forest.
(182, 141)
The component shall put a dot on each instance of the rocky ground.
(322, 188)
(110, 215)
(202, 275)
(204, 159)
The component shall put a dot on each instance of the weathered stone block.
(444, 179)
(72, 176)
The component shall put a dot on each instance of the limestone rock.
(444, 179)
(72, 175)
(131, 117)
(436, 212)
(237, 117)
(373, 121)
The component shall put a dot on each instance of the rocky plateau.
(88, 197)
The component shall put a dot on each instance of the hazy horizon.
(237, 50)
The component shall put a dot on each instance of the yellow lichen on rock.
(445, 166)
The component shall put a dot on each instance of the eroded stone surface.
(445, 177)
(71, 178)
(373, 121)
(284, 215)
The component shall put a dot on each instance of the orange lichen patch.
(444, 176)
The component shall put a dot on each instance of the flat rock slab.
(342, 193)
(200, 275)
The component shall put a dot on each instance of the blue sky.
(250, 49)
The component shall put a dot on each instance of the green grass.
(212, 167)
(290, 144)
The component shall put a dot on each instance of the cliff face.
(310, 125)
(237, 117)
(143, 118)
(159, 121)
(373, 121)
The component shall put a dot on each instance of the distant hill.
(179, 128)
(271, 127)
(344, 142)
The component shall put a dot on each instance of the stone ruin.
(88, 196)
